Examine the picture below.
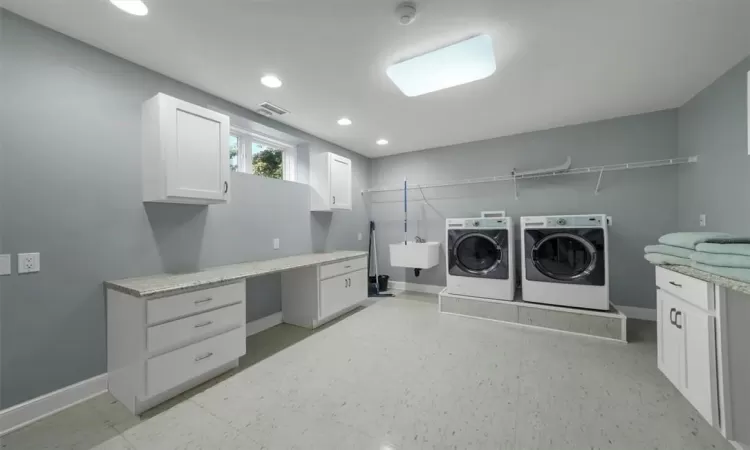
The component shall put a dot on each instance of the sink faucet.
(419, 240)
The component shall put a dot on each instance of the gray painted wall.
(71, 190)
(714, 125)
(643, 203)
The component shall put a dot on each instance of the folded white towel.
(690, 240)
(669, 250)
(661, 259)
(724, 249)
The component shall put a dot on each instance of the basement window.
(257, 154)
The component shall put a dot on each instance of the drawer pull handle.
(671, 316)
(677, 316)
(675, 284)
(205, 300)
(202, 357)
(204, 324)
(347, 267)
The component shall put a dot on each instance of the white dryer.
(480, 257)
(566, 260)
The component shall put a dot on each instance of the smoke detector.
(406, 13)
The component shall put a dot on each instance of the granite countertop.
(169, 284)
(735, 285)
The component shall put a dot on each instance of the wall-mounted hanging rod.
(582, 170)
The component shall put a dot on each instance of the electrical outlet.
(702, 220)
(28, 262)
(5, 265)
(359, 236)
(609, 221)
(276, 243)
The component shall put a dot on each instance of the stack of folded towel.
(677, 248)
(728, 257)
(717, 253)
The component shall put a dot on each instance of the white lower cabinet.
(687, 347)
(342, 292)
(312, 296)
(158, 348)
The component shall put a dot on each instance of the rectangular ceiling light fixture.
(454, 65)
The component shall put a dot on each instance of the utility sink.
(415, 255)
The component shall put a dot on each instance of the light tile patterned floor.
(399, 375)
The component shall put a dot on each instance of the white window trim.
(289, 152)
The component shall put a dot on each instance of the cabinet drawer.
(692, 290)
(174, 368)
(199, 326)
(339, 268)
(181, 305)
(342, 292)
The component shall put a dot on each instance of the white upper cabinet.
(185, 153)
(330, 182)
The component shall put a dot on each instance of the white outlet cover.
(5, 265)
(28, 262)
(276, 243)
(359, 236)
(702, 220)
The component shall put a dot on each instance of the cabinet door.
(357, 286)
(342, 292)
(196, 144)
(333, 295)
(341, 182)
(699, 382)
(669, 338)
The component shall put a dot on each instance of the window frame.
(245, 140)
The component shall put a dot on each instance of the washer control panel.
(479, 223)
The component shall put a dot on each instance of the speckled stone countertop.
(169, 284)
(735, 285)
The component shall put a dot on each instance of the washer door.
(477, 253)
(564, 256)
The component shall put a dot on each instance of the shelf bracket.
(598, 183)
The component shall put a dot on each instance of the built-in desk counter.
(167, 333)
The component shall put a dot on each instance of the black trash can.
(383, 283)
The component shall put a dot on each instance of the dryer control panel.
(582, 221)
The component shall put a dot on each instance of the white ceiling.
(560, 62)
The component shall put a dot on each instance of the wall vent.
(270, 107)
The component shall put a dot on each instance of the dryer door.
(482, 254)
(568, 256)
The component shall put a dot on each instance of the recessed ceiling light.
(382, 142)
(134, 7)
(344, 121)
(271, 81)
(461, 63)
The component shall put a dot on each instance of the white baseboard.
(635, 312)
(415, 287)
(262, 324)
(38, 408)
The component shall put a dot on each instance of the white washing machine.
(566, 260)
(479, 257)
